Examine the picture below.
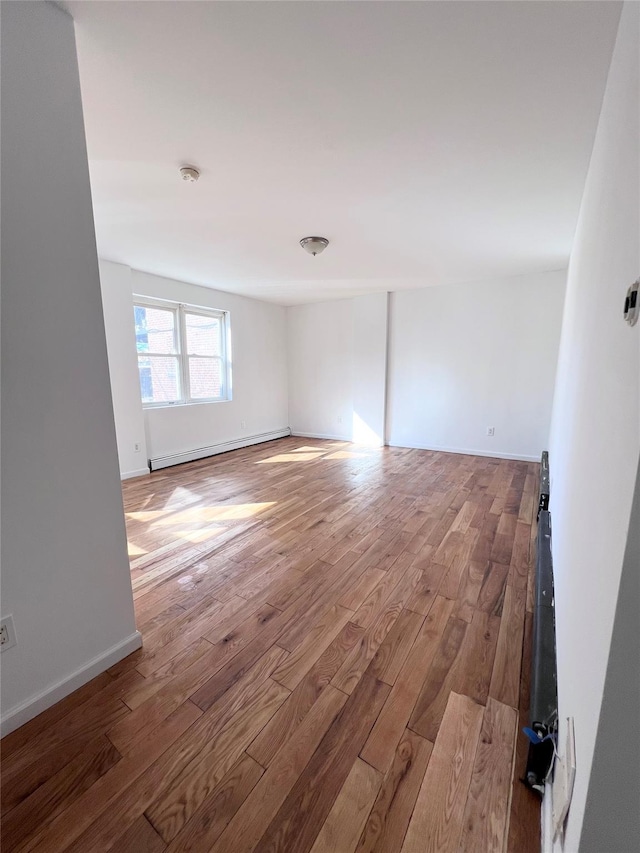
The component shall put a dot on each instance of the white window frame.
(180, 310)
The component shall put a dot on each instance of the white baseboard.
(463, 451)
(24, 712)
(297, 434)
(214, 449)
(139, 472)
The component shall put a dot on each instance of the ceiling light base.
(189, 174)
(314, 245)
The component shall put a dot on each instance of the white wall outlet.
(564, 774)
(339, 419)
(491, 431)
(136, 447)
(243, 424)
(7, 633)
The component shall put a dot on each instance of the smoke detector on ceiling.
(314, 245)
(189, 174)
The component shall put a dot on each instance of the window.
(182, 353)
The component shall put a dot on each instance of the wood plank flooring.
(336, 659)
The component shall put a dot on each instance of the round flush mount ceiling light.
(189, 174)
(314, 245)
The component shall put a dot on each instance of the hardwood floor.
(336, 658)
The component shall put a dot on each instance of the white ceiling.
(431, 142)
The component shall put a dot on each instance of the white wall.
(595, 432)
(466, 357)
(337, 355)
(320, 357)
(259, 370)
(115, 280)
(370, 327)
(611, 815)
(447, 361)
(65, 573)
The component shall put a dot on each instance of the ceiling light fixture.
(314, 245)
(189, 174)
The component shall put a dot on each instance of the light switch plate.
(564, 775)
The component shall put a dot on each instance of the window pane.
(205, 377)
(203, 334)
(159, 382)
(155, 329)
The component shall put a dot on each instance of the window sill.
(153, 406)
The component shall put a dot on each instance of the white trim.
(139, 472)
(21, 714)
(546, 820)
(296, 433)
(182, 354)
(466, 452)
(202, 452)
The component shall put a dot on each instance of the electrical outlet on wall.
(339, 419)
(243, 424)
(7, 633)
(491, 431)
(136, 447)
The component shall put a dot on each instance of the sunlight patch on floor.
(229, 512)
(291, 457)
(362, 449)
(219, 512)
(147, 515)
(348, 454)
(200, 535)
(180, 496)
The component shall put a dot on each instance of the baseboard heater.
(215, 449)
(544, 678)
